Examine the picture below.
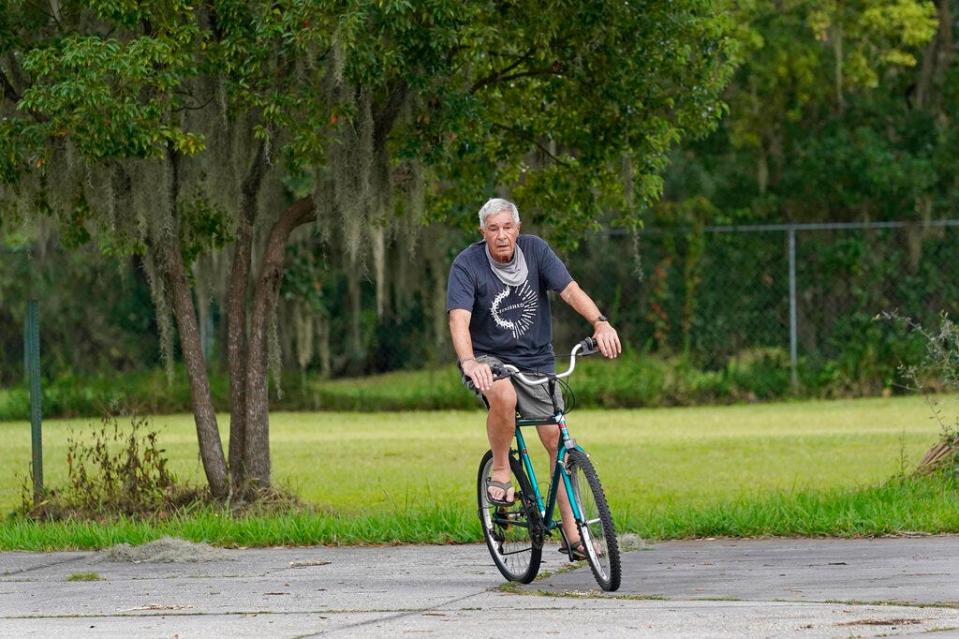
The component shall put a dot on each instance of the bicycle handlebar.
(586, 347)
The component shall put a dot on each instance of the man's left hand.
(608, 340)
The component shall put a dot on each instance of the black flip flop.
(506, 486)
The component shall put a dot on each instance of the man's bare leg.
(500, 425)
(549, 435)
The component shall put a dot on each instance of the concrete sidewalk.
(724, 588)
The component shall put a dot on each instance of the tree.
(174, 130)
(840, 112)
(830, 114)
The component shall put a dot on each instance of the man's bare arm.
(481, 374)
(460, 333)
(603, 332)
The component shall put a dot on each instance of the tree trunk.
(208, 435)
(256, 458)
(837, 51)
(440, 318)
(323, 335)
(237, 346)
(237, 351)
(935, 60)
(356, 310)
(379, 267)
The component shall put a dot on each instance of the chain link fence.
(807, 296)
(800, 298)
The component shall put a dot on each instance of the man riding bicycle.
(499, 313)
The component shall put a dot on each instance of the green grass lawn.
(667, 472)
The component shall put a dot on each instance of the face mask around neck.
(512, 273)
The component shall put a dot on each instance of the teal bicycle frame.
(566, 443)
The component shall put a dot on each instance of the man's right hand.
(479, 373)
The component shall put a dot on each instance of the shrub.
(120, 471)
(938, 371)
(635, 380)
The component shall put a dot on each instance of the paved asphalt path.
(706, 588)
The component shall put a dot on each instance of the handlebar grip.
(499, 372)
(588, 346)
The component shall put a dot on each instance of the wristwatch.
(601, 318)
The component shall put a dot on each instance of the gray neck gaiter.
(512, 273)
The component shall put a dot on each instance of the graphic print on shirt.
(514, 309)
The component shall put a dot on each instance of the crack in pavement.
(387, 619)
(51, 564)
(233, 613)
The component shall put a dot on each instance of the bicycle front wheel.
(595, 522)
(511, 532)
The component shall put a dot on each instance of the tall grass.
(443, 524)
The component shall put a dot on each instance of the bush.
(634, 380)
(121, 471)
(143, 393)
(938, 371)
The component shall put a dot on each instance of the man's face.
(500, 235)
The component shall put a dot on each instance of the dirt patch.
(630, 542)
(881, 622)
(166, 550)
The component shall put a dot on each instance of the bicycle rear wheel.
(596, 528)
(511, 532)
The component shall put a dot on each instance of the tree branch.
(499, 75)
(554, 69)
(252, 181)
(384, 120)
(55, 11)
(194, 107)
(529, 138)
(303, 211)
(8, 90)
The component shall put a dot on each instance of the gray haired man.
(499, 313)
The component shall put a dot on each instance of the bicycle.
(515, 534)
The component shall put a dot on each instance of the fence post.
(31, 340)
(793, 330)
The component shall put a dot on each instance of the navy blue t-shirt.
(511, 323)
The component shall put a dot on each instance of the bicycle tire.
(596, 529)
(511, 532)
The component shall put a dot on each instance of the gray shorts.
(532, 400)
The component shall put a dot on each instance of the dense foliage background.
(836, 112)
